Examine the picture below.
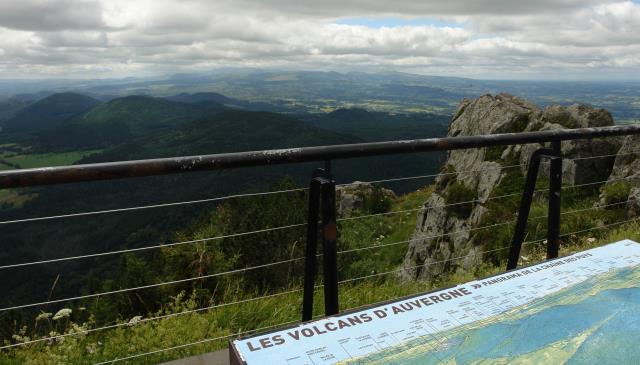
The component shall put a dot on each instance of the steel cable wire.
(287, 261)
(297, 290)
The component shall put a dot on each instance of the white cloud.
(494, 38)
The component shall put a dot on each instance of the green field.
(10, 160)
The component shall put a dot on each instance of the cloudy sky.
(514, 39)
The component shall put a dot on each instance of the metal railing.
(321, 200)
(175, 165)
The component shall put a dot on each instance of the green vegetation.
(9, 107)
(494, 153)
(380, 242)
(222, 130)
(447, 173)
(210, 328)
(123, 120)
(27, 161)
(378, 234)
(376, 201)
(379, 126)
(616, 192)
(15, 199)
(373, 248)
(48, 113)
(16, 157)
(143, 127)
(458, 193)
(140, 112)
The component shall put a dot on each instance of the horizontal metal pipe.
(173, 165)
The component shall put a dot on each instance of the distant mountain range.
(318, 91)
(67, 121)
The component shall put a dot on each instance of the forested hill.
(48, 112)
(122, 120)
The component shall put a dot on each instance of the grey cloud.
(37, 15)
(413, 8)
(603, 25)
(74, 39)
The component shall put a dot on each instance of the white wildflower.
(62, 313)
(19, 338)
(77, 329)
(42, 316)
(91, 348)
(135, 320)
(53, 336)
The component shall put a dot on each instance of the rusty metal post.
(310, 265)
(329, 248)
(322, 192)
(555, 188)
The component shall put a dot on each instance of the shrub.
(376, 201)
(494, 153)
(617, 192)
(458, 193)
(447, 175)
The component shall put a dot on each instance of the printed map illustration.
(580, 309)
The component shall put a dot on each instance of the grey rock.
(626, 170)
(440, 234)
(627, 161)
(581, 171)
(351, 197)
(633, 203)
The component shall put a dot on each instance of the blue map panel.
(583, 308)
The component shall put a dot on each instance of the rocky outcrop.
(623, 185)
(633, 203)
(443, 231)
(580, 171)
(352, 197)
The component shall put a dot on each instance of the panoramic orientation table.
(582, 308)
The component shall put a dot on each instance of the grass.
(616, 192)
(212, 328)
(387, 235)
(211, 325)
(15, 198)
(94, 347)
